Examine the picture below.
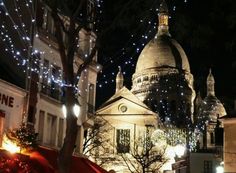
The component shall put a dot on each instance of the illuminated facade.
(163, 85)
(50, 122)
(46, 86)
(11, 106)
(210, 109)
(129, 119)
(229, 124)
(162, 79)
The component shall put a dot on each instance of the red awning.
(79, 164)
(43, 161)
(20, 163)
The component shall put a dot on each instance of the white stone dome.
(162, 51)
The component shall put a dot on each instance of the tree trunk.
(67, 57)
(65, 154)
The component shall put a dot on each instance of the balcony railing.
(51, 92)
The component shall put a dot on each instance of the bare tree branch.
(128, 162)
(59, 38)
(145, 158)
(86, 62)
(76, 13)
(62, 22)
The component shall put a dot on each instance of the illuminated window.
(163, 20)
(123, 140)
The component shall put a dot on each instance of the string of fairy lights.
(19, 54)
(125, 57)
(26, 41)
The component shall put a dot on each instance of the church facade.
(162, 97)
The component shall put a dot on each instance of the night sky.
(205, 29)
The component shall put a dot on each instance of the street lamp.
(179, 150)
(76, 110)
(220, 168)
(64, 111)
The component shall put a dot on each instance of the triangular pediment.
(124, 102)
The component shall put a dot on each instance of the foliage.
(24, 136)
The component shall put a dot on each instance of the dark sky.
(205, 29)
(11, 68)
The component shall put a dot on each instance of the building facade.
(50, 96)
(12, 99)
(46, 93)
(229, 125)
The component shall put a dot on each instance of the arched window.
(145, 78)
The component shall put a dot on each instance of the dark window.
(212, 138)
(51, 81)
(145, 78)
(55, 87)
(91, 98)
(45, 76)
(219, 136)
(123, 140)
(208, 166)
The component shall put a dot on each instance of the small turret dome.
(211, 107)
(119, 80)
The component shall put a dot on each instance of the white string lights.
(23, 35)
(126, 57)
(127, 63)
